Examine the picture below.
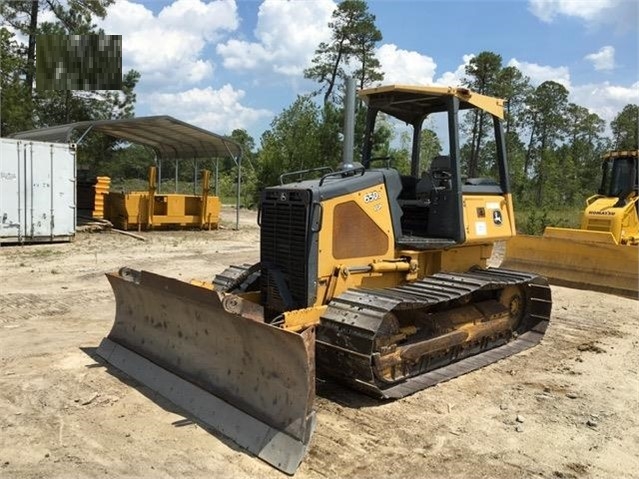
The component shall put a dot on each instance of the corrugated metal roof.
(168, 137)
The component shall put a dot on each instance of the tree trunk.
(361, 80)
(471, 160)
(33, 25)
(67, 106)
(529, 150)
(331, 83)
(480, 131)
(540, 170)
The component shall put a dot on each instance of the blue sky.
(226, 64)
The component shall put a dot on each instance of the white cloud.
(207, 19)
(414, 68)
(215, 110)
(547, 10)
(455, 78)
(405, 67)
(622, 13)
(604, 59)
(541, 73)
(167, 48)
(604, 99)
(287, 35)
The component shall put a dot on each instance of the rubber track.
(358, 312)
(233, 277)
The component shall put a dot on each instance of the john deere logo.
(497, 219)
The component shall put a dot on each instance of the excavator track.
(361, 339)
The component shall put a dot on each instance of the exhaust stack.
(349, 127)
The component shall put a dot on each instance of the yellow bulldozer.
(366, 276)
(602, 255)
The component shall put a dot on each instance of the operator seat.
(437, 177)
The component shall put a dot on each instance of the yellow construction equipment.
(149, 209)
(102, 185)
(375, 279)
(603, 254)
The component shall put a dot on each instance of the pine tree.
(625, 128)
(352, 47)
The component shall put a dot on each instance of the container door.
(50, 198)
(37, 191)
(11, 194)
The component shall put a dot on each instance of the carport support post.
(217, 174)
(194, 175)
(239, 191)
(176, 175)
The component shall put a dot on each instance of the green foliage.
(23, 109)
(625, 128)
(513, 86)
(429, 148)
(536, 222)
(72, 17)
(353, 39)
(485, 75)
(130, 161)
(547, 106)
(14, 104)
(533, 221)
(482, 74)
(293, 143)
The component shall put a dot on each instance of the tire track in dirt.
(27, 306)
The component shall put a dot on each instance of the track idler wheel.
(514, 299)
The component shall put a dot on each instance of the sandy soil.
(565, 409)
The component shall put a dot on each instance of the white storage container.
(37, 191)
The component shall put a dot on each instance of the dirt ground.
(568, 408)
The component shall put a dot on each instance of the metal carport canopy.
(168, 137)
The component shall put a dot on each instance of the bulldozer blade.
(577, 262)
(252, 382)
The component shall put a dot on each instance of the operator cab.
(620, 175)
(429, 201)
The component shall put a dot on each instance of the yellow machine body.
(145, 210)
(366, 276)
(603, 254)
(345, 261)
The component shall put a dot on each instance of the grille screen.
(355, 234)
(598, 225)
(284, 238)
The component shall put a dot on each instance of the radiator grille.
(598, 224)
(284, 250)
